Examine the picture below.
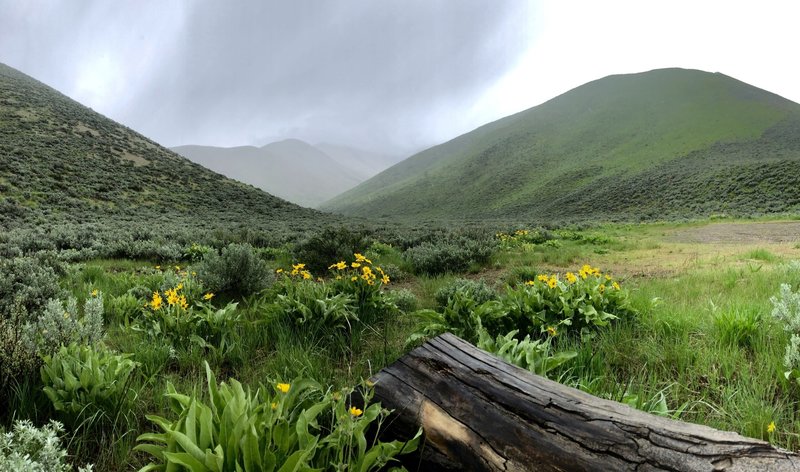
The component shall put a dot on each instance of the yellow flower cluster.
(283, 387)
(364, 270)
(588, 270)
(174, 298)
(585, 272)
(156, 302)
(298, 270)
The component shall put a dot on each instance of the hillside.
(290, 169)
(668, 143)
(62, 162)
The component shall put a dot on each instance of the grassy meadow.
(152, 359)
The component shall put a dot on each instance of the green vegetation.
(121, 306)
(665, 144)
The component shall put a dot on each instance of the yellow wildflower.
(341, 265)
(306, 274)
(530, 282)
(278, 271)
(283, 387)
(208, 296)
(172, 297)
(360, 258)
(177, 268)
(182, 302)
(771, 427)
(179, 287)
(353, 278)
(571, 278)
(551, 330)
(194, 274)
(158, 267)
(355, 411)
(355, 265)
(615, 285)
(157, 301)
(542, 278)
(552, 282)
(385, 279)
(95, 292)
(274, 405)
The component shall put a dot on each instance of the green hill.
(61, 162)
(668, 143)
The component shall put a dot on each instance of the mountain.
(363, 164)
(669, 143)
(292, 169)
(62, 162)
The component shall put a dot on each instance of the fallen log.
(481, 413)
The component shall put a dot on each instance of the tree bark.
(480, 413)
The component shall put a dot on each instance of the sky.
(394, 76)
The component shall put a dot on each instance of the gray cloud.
(384, 74)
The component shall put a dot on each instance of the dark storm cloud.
(374, 73)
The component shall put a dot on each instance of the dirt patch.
(138, 161)
(81, 128)
(739, 233)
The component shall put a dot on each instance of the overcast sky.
(389, 75)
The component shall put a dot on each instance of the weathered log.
(481, 413)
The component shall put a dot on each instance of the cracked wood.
(480, 413)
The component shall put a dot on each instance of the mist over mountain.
(292, 169)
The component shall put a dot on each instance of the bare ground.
(740, 233)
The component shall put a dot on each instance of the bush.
(281, 427)
(236, 271)
(88, 387)
(27, 448)
(61, 325)
(331, 244)
(27, 282)
(479, 291)
(786, 308)
(448, 256)
(403, 299)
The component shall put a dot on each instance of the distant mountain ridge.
(291, 169)
(61, 162)
(669, 143)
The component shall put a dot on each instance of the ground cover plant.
(650, 315)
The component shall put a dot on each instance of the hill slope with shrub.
(668, 143)
(61, 162)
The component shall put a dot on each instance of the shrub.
(479, 291)
(403, 299)
(61, 325)
(330, 244)
(27, 282)
(448, 256)
(285, 426)
(786, 308)
(27, 448)
(236, 270)
(88, 386)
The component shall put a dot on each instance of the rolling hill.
(290, 169)
(669, 143)
(61, 162)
